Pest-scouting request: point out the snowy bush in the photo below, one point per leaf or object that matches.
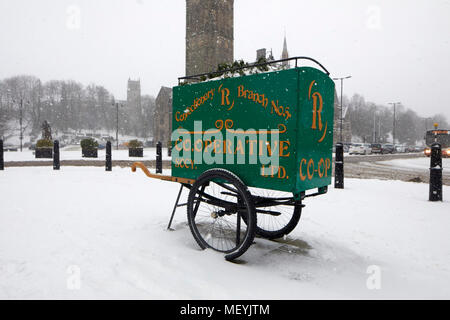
(133, 144)
(89, 143)
(238, 68)
(44, 143)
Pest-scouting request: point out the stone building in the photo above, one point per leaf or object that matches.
(162, 117)
(209, 35)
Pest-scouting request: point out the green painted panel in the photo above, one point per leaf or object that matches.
(315, 125)
(257, 126)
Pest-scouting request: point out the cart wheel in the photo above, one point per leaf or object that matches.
(217, 202)
(275, 220)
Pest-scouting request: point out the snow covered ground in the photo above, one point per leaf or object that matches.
(74, 153)
(82, 232)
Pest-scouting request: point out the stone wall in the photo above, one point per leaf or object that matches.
(162, 117)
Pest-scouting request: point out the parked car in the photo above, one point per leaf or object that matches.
(346, 146)
(360, 148)
(387, 148)
(376, 147)
(400, 148)
(149, 143)
(107, 138)
(410, 149)
(10, 147)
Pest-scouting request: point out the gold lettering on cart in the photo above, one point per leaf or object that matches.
(228, 123)
(198, 102)
(309, 168)
(317, 111)
(225, 97)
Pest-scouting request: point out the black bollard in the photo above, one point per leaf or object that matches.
(159, 157)
(435, 173)
(56, 155)
(2, 161)
(339, 167)
(169, 151)
(108, 164)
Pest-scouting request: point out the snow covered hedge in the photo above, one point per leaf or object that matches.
(238, 68)
(44, 143)
(134, 144)
(89, 143)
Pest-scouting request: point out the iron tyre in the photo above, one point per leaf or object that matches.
(217, 202)
(274, 227)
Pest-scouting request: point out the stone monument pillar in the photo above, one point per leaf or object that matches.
(209, 35)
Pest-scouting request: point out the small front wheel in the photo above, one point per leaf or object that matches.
(218, 204)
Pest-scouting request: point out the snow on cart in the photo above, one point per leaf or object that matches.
(249, 148)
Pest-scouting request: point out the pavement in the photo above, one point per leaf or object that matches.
(86, 163)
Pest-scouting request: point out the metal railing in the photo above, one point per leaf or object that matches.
(221, 72)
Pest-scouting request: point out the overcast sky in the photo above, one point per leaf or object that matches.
(395, 50)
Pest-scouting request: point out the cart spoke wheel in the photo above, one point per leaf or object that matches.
(217, 203)
(275, 220)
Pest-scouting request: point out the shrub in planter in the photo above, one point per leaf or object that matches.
(135, 148)
(44, 149)
(89, 148)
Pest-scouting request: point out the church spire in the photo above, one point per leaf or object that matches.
(285, 54)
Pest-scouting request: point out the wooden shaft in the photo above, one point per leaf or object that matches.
(159, 176)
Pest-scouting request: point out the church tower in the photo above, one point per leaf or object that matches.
(134, 94)
(209, 35)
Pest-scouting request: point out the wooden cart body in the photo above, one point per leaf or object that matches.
(242, 123)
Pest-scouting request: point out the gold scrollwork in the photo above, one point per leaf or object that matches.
(228, 124)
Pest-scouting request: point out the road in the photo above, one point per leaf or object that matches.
(374, 167)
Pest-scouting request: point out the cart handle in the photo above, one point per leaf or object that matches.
(159, 176)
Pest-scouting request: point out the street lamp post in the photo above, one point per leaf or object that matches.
(374, 138)
(116, 104)
(21, 121)
(379, 128)
(342, 89)
(426, 123)
(393, 132)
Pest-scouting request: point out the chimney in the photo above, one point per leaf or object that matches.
(260, 54)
